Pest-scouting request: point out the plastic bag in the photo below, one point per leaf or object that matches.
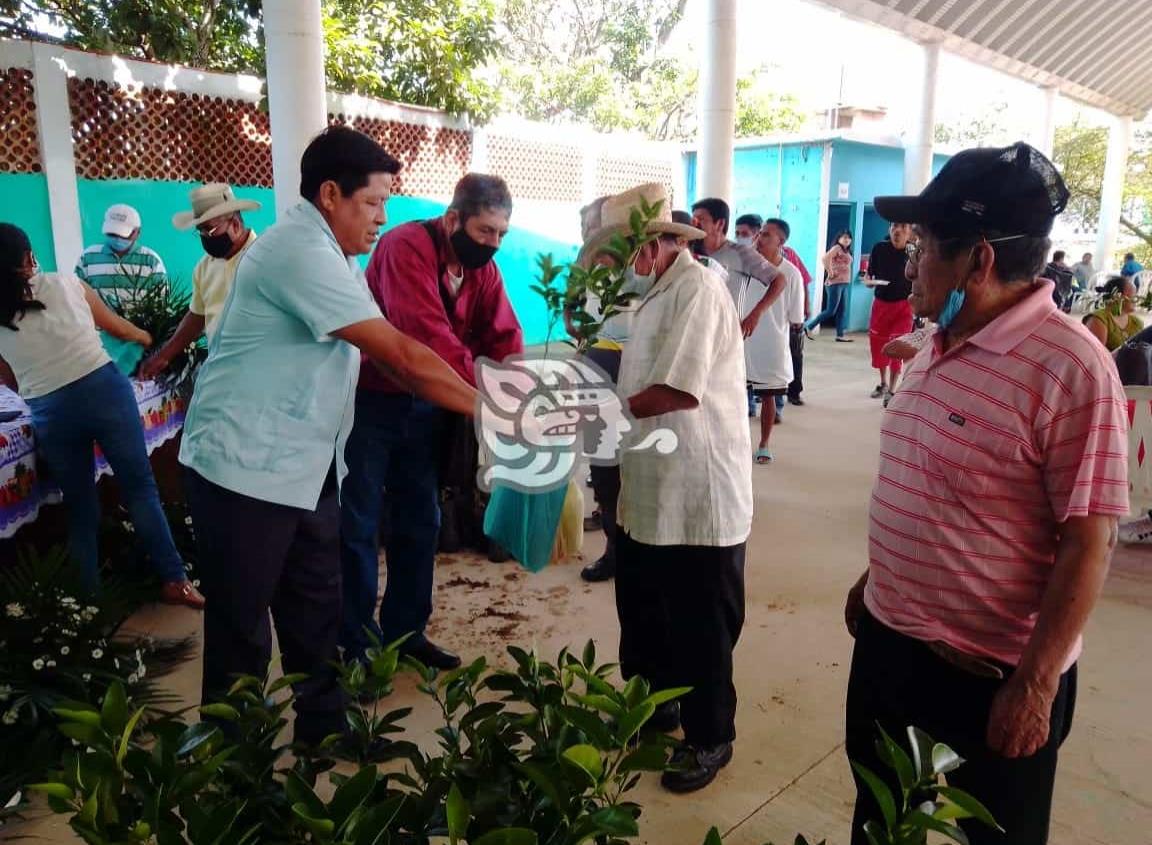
(525, 523)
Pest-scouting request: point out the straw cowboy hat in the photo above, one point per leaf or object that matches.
(210, 201)
(614, 213)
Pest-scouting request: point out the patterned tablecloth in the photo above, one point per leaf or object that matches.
(1140, 448)
(22, 492)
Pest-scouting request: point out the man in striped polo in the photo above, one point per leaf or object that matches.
(1003, 470)
(120, 266)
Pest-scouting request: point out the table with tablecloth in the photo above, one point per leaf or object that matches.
(23, 491)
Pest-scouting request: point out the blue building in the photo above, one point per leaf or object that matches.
(822, 185)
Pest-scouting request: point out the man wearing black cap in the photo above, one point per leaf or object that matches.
(1003, 471)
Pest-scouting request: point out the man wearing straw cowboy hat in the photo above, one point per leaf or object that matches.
(216, 215)
(684, 518)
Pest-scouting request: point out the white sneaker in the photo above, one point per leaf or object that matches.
(1136, 532)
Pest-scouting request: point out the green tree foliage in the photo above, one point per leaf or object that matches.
(1080, 153)
(422, 52)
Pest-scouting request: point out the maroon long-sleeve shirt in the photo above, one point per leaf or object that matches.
(407, 277)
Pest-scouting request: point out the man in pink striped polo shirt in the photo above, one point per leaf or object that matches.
(1003, 470)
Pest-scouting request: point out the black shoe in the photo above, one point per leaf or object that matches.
(795, 400)
(594, 522)
(602, 570)
(695, 768)
(497, 553)
(666, 719)
(430, 654)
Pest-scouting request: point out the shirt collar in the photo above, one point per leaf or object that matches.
(1018, 323)
(309, 214)
(674, 271)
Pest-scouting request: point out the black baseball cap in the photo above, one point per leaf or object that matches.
(1012, 190)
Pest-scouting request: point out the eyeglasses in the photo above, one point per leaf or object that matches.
(914, 249)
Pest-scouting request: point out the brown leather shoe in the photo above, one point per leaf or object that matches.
(182, 592)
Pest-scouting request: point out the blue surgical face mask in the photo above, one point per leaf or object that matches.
(638, 284)
(952, 308)
(118, 244)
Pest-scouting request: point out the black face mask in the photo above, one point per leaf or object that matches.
(471, 253)
(218, 246)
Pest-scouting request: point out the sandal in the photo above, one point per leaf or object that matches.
(763, 456)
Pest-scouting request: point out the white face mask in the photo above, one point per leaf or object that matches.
(745, 241)
(638, 284)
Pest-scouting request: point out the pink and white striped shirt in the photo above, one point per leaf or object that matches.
(986, 450)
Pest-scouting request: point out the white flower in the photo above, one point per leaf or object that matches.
(92, 610)
(15, 610)
(10, 717)
(87, 676)
(133, 678)
(50, 663)
(64, 650)
(196, 583)
(38, 664)
(97, 653)
(141, 670)
(188, 520)
(5, 691)
(68, 601)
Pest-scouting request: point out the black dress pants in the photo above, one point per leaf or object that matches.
(681, 609)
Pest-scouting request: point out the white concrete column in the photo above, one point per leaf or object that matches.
(1112, 192)
(920, 140)
(297, 103)
(1046, 140)
(54, 125)
(479, 161)
(717, 104)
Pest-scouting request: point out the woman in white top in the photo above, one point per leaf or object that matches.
(78, 398)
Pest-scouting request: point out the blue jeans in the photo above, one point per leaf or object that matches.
(835, 306)
(392, 458)
(101, 408)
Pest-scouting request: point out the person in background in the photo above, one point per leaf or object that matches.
(684, 518)
(1115, 323)
(1003, 469)
(748, 228)
(77, 397)
(120, 265)
(685, 219)
(891, 311)
(1083, 271)
(217, 216)
(767, 358)
(1060, 274)
(437, 282)
(263, 444)
(1131, 267)
(837, 263)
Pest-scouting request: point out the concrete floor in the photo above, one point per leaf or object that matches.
(808, 545)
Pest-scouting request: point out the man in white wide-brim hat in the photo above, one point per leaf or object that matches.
(217, 217)
(684, 518)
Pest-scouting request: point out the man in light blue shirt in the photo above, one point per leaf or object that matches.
(264, 439)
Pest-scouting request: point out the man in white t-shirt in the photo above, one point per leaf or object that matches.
(767, 355)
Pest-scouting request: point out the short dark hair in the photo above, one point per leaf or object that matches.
(753, 220)
(1128, 256)
(342, 155)
(1113, 287)
(717, 208)
(782, 225)
(1058, 255)
(682, 217)
(477, 192)
(1018, 259)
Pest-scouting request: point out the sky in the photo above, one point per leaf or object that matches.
(806, 45)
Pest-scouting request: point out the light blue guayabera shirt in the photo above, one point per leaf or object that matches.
(274, 401)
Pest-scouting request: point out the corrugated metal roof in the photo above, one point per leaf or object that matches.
(1095, 51)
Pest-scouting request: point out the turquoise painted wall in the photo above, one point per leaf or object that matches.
(158, 201)
(26, 205)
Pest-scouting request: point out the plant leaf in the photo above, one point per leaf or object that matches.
(880, 791)
(126, 738)
(922, 745)
(969, 804)
(616, 821)
(926, 822)
(664, 696)
(56, 790)
(195, 736)
(508, 836)
(458, 814)
(944, 759)
(713, 837)
(633, 720)
(587, 758)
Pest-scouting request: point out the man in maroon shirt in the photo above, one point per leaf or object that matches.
(435, 281)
